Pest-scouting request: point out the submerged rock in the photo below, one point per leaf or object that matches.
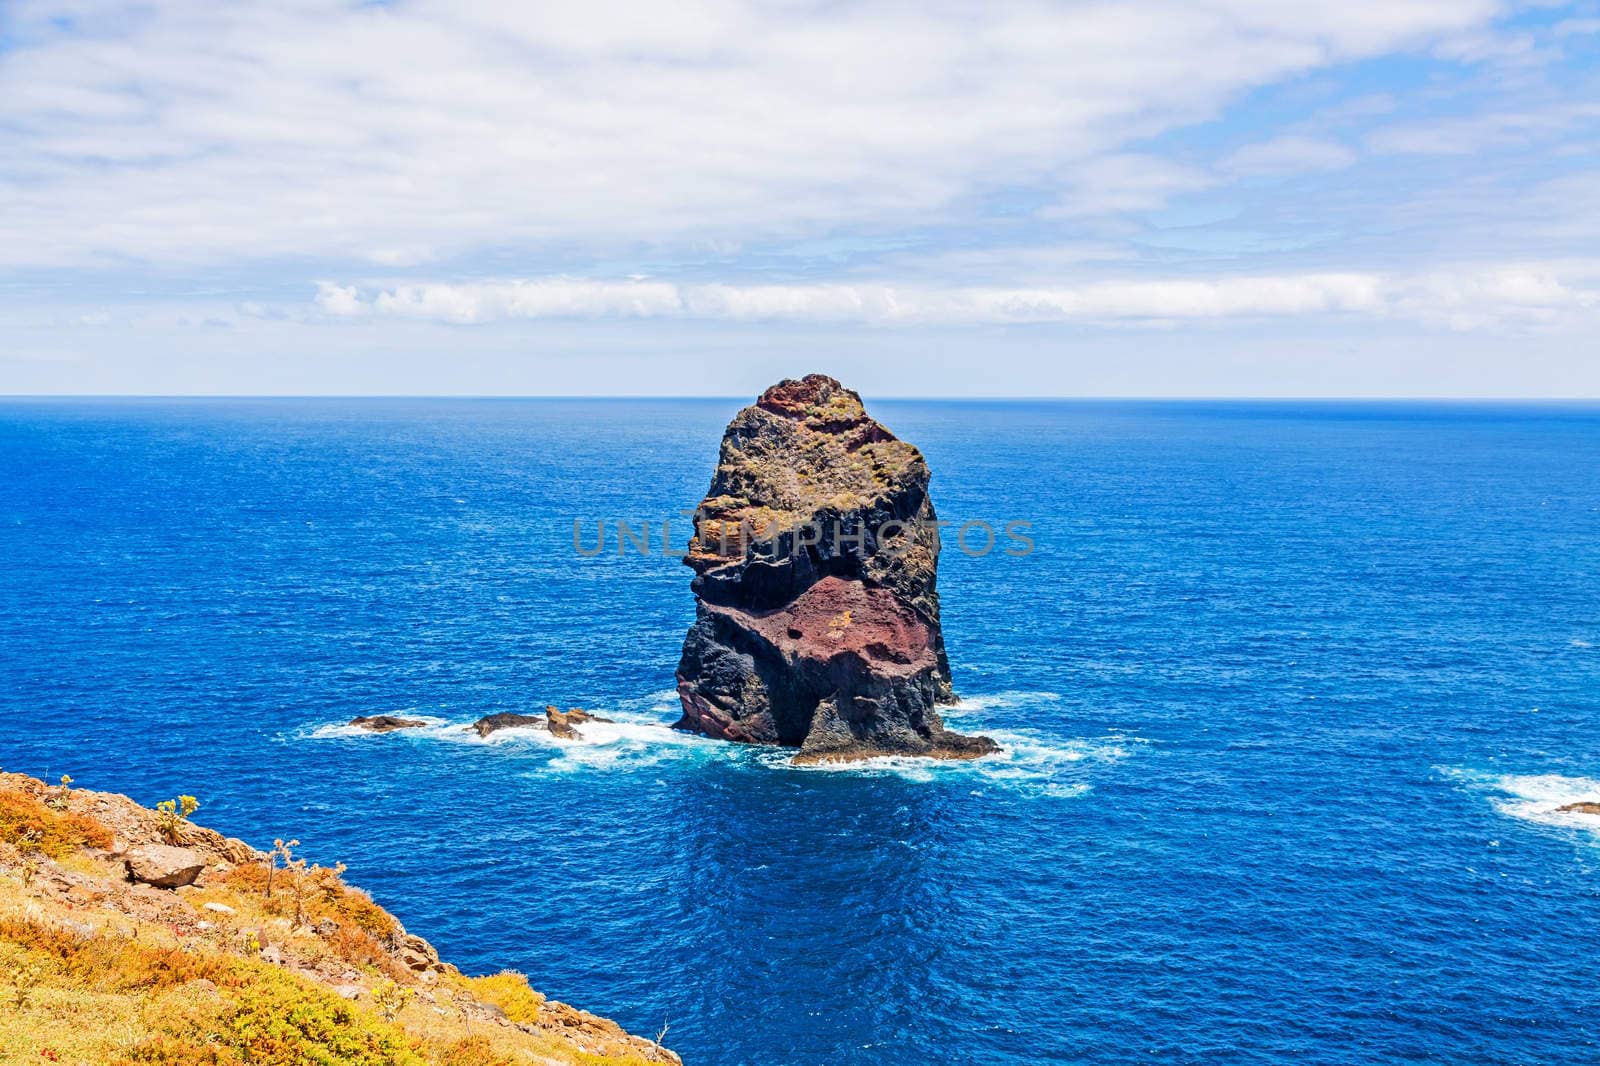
(817, 610)
(386, 723)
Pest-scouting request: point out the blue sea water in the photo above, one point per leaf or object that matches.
(1289, 694)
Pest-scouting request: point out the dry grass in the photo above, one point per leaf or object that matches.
(97, 972)
(29, 824)
(509, 991)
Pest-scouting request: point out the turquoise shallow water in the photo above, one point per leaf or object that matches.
(1289, 694)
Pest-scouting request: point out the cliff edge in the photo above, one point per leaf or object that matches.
(133, 936)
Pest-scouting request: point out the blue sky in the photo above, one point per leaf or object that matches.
(1213, 198)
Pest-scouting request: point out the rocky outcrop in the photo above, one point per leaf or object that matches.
(816, 556)
(92, 877)
(561, 723)
(1582, 807)
(493, 723)
(386, 723)
(558, 723)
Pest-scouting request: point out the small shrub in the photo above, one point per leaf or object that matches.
(509, 991)
(278, 1021)
(32, 826)
(332, 898)
(360, 950)
(25, 978)
(58, 796)
(318, 894)
(391, 998)
(172, 813)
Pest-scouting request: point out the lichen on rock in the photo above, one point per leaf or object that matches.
(816, 557)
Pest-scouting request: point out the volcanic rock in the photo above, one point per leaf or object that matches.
(506, 720)
(816, 555)
(386, 723)
(560, 724)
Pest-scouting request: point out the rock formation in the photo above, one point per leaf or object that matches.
(491, 723)
(559, 723)
(164, 866)
(386, 723)
(817, 614)
(1582, 807)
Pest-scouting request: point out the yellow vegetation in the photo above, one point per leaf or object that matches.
(97, 972)
(29, 825)
(509, 991)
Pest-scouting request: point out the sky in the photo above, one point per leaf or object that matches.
(446, 197)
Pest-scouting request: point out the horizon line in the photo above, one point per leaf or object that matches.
(944, 398)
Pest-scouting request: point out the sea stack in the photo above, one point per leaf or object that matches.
(816, 554)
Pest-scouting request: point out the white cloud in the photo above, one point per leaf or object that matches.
(1475, 134)
(1461, 299)
(187, 131)
(1289, 154)
(1123, 182)
(1576, 27)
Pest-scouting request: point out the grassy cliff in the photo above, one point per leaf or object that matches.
(257, 959)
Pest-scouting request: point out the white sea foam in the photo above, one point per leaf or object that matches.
(628, 744)
(345, 729)
(1536, 797)
(1026, 762)
(971, 705)
(639, 736)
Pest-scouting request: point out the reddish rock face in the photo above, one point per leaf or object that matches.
(816, 555)
(836, 618)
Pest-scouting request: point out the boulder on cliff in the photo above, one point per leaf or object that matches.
(163, 865)
(816, 556)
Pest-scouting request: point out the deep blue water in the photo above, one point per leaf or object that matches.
(1289, 693)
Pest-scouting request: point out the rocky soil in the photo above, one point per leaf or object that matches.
(95, 876)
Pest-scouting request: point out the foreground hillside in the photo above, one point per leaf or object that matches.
(132, 936)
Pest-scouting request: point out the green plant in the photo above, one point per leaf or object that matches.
(58, 796)
(279, 1021)
(24, 979)
(391, 998)
(171, 814)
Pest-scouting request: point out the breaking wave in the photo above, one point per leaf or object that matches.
(1536, 797)
(640, 736)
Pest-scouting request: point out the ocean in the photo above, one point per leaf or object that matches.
(1289, 694)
